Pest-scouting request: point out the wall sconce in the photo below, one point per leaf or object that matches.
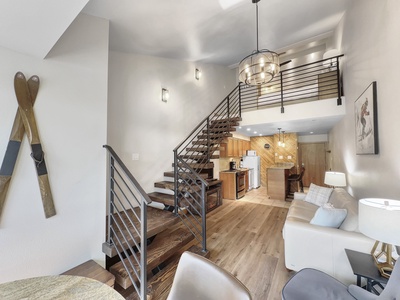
(197, 74)
(164, 95)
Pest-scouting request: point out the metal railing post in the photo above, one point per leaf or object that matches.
(240, 100)
(143, 251)
(176, 180)
(110, 199)
(208, 139)
(203, 217)
(339, 100)
(282, 108)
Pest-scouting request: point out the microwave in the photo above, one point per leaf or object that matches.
(251, 152)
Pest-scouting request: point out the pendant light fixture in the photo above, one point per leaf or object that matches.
(279, 136)
(283, 135)
(261, 66)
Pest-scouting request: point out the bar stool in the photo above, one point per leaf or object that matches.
(296, 178)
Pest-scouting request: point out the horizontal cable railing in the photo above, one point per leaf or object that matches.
(127, 222)
(310, 82)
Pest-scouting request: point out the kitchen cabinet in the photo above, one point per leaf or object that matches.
(228, 185)
(233, 147)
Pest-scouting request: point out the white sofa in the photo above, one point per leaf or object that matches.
(323, 248)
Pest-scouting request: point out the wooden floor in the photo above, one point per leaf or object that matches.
(245, 238)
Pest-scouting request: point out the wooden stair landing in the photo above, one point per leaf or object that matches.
(163, 247)
(157, 221)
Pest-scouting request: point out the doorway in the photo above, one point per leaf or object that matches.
(313, 157)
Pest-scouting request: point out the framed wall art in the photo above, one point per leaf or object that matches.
(366, 116)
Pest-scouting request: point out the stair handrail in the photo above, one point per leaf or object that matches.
(206, 118)
(115, 243)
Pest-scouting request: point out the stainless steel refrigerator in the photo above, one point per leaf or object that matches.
(253, 162)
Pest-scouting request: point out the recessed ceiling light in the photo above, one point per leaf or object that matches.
(240, 127)
(248, 129)
(311, 132)
(255, 132)
(260, 134)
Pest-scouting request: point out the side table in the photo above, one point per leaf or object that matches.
(363, 266)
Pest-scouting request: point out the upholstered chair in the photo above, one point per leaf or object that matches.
(197, 278)
(311, 284)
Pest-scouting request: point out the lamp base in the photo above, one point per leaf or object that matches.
(384, 267)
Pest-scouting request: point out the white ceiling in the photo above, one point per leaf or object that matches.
(213, 31)
(208, 31)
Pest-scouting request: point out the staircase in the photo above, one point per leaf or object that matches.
(140, 237)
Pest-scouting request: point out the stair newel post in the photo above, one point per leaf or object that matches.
(339, 99)
(143, 251)
(203, 217)
(176, 181)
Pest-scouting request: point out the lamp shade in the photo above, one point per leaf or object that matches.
(379, 219)
(335, 179)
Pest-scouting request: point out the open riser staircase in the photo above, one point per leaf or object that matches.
(140, 238)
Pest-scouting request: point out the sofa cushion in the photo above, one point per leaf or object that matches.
(301, 211)
(342, 199)
(318, 195)
(328, 216)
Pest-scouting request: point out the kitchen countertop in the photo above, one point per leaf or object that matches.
(284, 166)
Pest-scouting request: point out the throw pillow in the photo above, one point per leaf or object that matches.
(328, 216)
(318, 195)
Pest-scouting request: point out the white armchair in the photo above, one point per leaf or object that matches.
(198, 278)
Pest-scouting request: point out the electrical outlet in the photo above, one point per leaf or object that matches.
(135, 156)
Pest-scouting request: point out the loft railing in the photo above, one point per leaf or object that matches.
(193, 155)
(127, 222)
(310, 82)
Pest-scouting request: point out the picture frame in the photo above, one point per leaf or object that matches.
(366, 121)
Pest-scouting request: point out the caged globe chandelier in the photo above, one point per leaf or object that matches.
(261, 66)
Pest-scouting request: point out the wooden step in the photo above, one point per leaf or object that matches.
(199, 157)
(214, 136)
(160, 284)
(157, 221)
(162, 198)
(203, 149)
(209, 165)
(170, 186)
(93, 270)
(220, 130)
(163, 246)
(226, 120)
(171, 174)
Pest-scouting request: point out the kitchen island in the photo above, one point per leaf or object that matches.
(277, 182)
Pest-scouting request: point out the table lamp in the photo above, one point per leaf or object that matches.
(379, 219)
(335, 179)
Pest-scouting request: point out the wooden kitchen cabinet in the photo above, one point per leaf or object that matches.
(228, 185)
(232, 147)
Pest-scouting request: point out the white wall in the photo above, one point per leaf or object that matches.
(368, 37)
(139, 122)
(71, 113)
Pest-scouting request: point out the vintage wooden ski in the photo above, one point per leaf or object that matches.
(28, 119)
(14, 143)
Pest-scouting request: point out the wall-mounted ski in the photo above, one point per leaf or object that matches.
(26, 94)
(14, 143)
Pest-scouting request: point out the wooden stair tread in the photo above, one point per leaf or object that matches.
(181, 188)
(183, 175)
(209, 165)
(163, 246)
(214, 136)
(160, 284)
(93, 270)
(157, 221)
(162, 198)
(196, 157)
